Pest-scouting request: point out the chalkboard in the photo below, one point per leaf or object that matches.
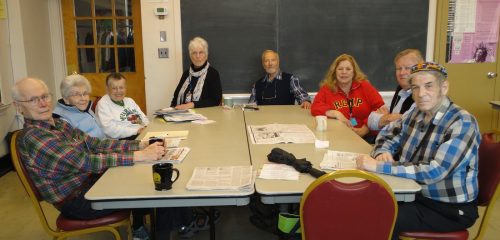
(308, 35)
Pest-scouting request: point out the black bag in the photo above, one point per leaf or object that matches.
(264, 216)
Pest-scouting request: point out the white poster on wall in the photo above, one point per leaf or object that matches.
(473, 31)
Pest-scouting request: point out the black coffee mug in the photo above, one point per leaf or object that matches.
(155, 139)
(162, 176)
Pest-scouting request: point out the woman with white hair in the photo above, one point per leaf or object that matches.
(200, 85)
(74, 106)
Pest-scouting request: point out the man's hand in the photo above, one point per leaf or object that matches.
(185, 106)
(388, 118)
(306, 105)
(384, 157)
(338, 115)
(154, 151)
(365, 162)
(362, 131)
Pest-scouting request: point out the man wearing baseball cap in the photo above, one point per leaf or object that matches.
(437, 145)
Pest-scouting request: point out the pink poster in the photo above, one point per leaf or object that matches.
(473, 31)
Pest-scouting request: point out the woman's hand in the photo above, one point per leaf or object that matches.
(362, 131)
(185, 106)
(338, 115)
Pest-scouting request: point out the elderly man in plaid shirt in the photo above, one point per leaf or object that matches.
(436, 144)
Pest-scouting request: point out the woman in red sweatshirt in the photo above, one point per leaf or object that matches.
(346, 95)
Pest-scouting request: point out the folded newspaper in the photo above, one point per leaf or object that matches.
(280, 133)
(222, 178)
(334, 160)
(173, 115)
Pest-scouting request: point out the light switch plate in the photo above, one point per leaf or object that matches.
(162, 52)
(163, 36)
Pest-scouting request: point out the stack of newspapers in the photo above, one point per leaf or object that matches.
(240, 178)
(173, 115)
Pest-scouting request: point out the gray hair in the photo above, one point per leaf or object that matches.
(269, 51)
(198, 42)
(439, 76)
(16, 91)
(74, 80)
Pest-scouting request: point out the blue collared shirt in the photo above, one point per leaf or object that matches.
(446, 164)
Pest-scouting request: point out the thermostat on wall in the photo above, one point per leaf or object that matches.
(161, 11)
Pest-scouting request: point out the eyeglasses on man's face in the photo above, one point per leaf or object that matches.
(36, 100)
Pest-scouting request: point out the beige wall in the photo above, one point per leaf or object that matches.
(37, 43)
(162, 75)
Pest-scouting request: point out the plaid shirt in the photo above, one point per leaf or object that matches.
(295, 88)
(60, 158)
(446, 163)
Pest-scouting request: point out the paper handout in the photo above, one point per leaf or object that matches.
(334, 160)
(167, 134)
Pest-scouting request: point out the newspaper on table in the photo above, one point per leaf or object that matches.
(169, 111)
(335, 160)
(278, 171)
(172, 115)
(280, 133)
(222, 178)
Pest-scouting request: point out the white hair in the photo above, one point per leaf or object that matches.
(74, 80)
(198, 42)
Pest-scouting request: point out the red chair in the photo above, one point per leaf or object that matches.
(66, 227)
(330, 209)
(489, 189)
(94, 103)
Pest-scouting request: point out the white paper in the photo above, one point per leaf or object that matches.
(321, 144)
(333, 160)
(203, 122)
(280, 133)
(278, 171)
(172, 155)
(222, 178)
(167, 134)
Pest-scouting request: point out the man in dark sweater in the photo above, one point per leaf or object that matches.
(277, 87)
(402, 100)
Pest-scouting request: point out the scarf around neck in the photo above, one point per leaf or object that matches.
(201, 75)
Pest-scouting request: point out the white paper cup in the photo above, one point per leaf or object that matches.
(321, 123)
(228, 101)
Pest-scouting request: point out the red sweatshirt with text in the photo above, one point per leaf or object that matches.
(365, 99)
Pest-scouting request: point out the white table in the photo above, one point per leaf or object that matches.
(223, 143)
(341, 139)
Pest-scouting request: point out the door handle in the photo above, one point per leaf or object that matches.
(491, 75)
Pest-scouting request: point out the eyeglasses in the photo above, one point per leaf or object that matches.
(77, 94)
(36, 100)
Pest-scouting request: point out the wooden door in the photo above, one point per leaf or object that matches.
(104, 36)
(470, 86)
